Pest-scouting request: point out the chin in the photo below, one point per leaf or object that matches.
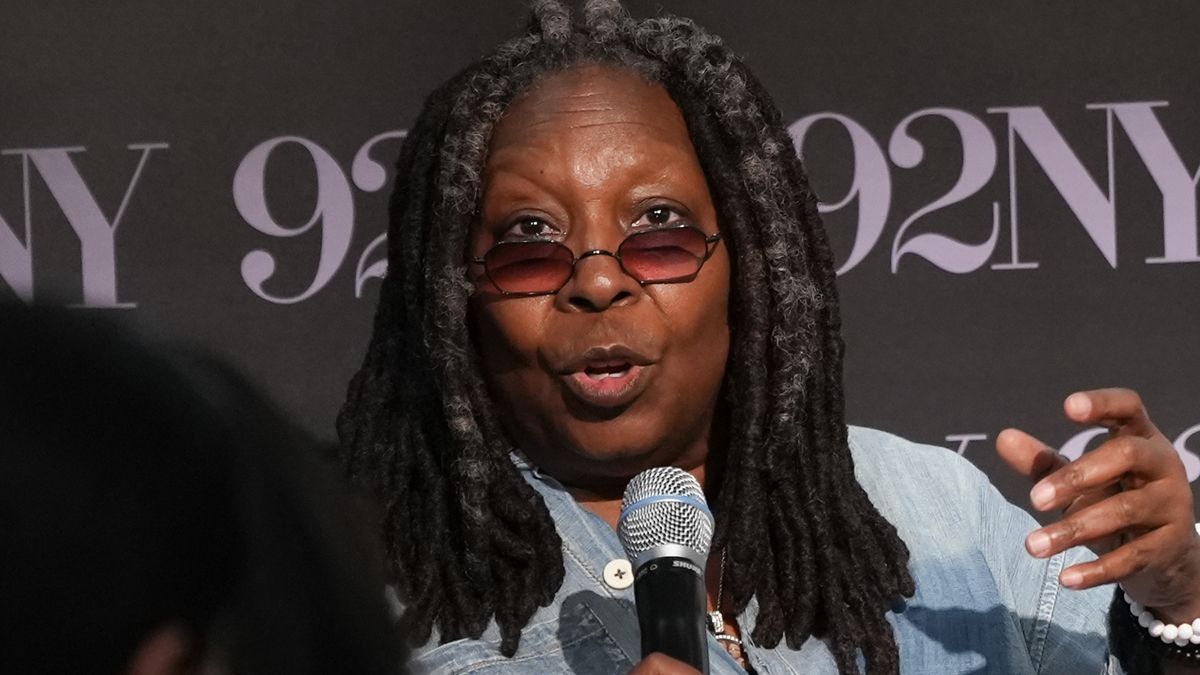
(612, 451)
(617, 456)
(622, 453)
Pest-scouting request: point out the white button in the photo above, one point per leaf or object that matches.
(618, 573)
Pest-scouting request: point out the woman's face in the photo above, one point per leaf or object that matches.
(606, 377)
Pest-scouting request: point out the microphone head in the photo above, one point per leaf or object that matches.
(663, 514)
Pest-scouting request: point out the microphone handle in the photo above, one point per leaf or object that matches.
(669, 593)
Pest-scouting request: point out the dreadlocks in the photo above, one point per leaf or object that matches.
(467, 539)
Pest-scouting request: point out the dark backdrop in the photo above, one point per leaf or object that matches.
(1011, 187)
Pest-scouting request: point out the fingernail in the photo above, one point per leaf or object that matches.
(1038, 543)
(1042, 495)
(1071, 578)
(1079, 405)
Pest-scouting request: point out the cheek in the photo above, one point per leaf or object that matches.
(507, 334)
(711, 350)
(508, 337)
(705, 310)
(699, 321)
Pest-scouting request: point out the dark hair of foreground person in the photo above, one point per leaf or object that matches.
(152, 503)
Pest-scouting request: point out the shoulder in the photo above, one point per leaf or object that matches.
(891, 466)
(926, 491)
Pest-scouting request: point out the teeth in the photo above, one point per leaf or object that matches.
(605, 376)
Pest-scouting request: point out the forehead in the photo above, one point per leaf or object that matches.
(591, 101)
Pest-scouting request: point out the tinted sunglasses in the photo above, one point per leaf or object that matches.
(663, 255)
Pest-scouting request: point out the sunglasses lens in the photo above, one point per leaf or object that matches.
(529, 267)
(664, 255)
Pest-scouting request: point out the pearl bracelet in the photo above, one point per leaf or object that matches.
(1174, 636)
(1181, 634)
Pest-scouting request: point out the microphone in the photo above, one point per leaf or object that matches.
(666, 529)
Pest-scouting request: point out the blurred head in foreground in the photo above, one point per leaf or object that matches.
(158, 516)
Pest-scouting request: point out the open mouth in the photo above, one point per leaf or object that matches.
(607, 385)
(607, 372)
(607, 377)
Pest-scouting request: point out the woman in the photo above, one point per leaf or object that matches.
(605, 257)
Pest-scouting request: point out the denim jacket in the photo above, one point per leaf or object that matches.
(982, 604)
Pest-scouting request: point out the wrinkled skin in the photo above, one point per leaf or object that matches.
(586, 156)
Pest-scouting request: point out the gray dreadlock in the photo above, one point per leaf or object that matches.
(467, 539)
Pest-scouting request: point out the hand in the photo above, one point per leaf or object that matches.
(661, 664)
(1128, 500)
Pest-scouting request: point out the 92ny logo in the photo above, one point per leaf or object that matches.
(1092, 203)
(866, 205)
(95, 231)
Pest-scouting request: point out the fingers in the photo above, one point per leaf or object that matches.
(1129, 500)
(1119, 410)
(1122, 563)
(1115, 459)
(1028, 455)
(1136, 510)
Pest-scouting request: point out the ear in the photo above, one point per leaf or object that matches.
(165, 652)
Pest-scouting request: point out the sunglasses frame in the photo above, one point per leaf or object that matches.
(710, 241)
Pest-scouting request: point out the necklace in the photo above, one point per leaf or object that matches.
(716, 625)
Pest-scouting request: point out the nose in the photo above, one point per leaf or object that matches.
(599, 283)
